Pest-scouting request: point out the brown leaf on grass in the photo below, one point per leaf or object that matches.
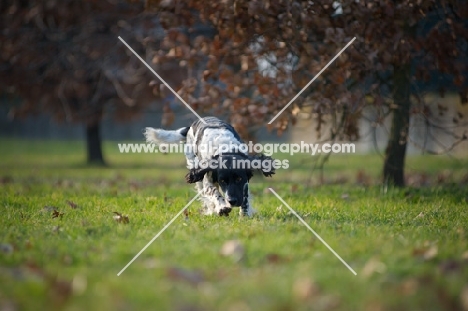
(178, 274)
(362, 178)
(408, 287)
(305, 289)
(420, 215)
(273, 258)
(426, 253)
(72, 204)
(33, 268)
(372, 266)
(294, 188)
(121, 218)
(431, 252)
(57, 214)
(59, 290)
(79, 284)
(450, 266)
(233, 249)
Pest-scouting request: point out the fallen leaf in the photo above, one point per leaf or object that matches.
(120, 218)
(274, 258)
(426, 253)
(56, 214)
(178, 274)
(152, 263)
(450, 266)
(409, 287)
(362, 178)
(234, 249)
(59, 290)
(372, 266)
(79, 284)
(431, 252)
(294, 188)
(305, 289)
(72, 204)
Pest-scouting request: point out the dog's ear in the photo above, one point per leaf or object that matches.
(195, 174)
(267, 167)
(249, 174)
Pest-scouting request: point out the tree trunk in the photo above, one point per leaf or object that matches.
(393, 171)
(93, 144)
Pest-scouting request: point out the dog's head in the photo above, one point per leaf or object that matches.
(232, 172)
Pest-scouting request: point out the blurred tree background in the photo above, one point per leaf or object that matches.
(243, 61)
(64, 58)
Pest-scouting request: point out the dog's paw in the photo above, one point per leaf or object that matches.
(245, 201)
(224, 211)
(192, 177)
(267, 172)
(189, 178)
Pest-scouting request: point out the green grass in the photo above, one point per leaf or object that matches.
(408, 247)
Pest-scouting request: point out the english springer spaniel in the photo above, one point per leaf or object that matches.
(217, 163)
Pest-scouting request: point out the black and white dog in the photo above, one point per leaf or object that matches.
(217, 163)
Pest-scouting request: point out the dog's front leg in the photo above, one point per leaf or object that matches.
(211, 192)
(245, 209)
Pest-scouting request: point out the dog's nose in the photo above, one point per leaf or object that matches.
(233, 202)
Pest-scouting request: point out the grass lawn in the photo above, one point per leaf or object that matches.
(61, 246)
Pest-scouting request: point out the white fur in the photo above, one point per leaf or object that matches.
(213, 200)
(160, 136)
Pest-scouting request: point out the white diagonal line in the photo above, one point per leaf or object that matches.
(159, 233)
(312, 230)
(313, 79)
(162, 80)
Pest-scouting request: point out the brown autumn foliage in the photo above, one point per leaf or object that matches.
(259, 54)
(64, 58)
(241, 60)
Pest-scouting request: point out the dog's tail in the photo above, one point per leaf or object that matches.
(160, 136)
